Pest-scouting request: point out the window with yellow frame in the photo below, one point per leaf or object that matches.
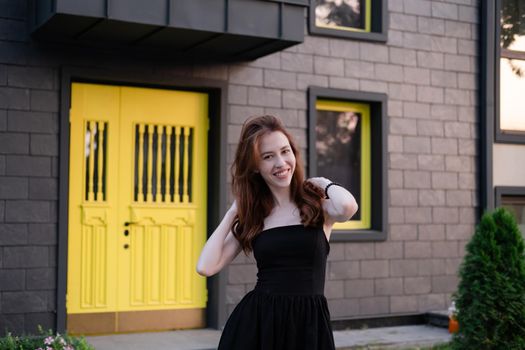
(353, 19)
(343, 152)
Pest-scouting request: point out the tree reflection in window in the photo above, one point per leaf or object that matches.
(512, 32)
(338, 149)
(339, 13)
(512, 21)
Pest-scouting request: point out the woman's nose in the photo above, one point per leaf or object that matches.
(279, 161)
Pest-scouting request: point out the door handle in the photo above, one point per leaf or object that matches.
(129, 223)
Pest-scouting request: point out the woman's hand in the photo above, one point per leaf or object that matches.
(320, 182)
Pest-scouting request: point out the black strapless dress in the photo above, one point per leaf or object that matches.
(287, 309)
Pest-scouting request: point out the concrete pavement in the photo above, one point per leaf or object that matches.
(207, 339)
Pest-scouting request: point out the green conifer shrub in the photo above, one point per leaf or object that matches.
(491, 294)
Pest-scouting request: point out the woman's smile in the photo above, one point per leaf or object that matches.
(282, 174)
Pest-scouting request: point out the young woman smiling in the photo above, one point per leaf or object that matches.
(286, 222)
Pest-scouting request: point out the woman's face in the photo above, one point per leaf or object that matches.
(277, 160)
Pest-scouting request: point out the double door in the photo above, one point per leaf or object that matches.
(137, 209)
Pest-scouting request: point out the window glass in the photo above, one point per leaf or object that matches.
(338, 151)
(518, 44)
(516, 205)
(343, 152)
(512, 66)
(512, 35)
(343, 14)
(512, 94)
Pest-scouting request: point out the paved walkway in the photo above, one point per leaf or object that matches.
(207, 339)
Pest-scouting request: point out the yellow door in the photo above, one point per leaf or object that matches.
(137, 209)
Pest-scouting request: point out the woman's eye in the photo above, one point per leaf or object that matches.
(267, 157)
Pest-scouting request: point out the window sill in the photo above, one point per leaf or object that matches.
(357, 235)
(357, 35)
(508, 137)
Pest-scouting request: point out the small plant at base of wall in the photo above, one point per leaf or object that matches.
(44, 341)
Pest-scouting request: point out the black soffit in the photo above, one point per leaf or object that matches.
(205, 29)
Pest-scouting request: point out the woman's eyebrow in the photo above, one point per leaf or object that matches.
(282, 148)
(267, 152)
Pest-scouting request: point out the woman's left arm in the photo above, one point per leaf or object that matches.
(340, 205)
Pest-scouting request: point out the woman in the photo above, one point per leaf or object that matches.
(286, 222)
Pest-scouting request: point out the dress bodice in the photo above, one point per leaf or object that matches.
(291, 260)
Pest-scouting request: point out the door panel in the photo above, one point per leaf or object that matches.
(92, 199)
(165, 198)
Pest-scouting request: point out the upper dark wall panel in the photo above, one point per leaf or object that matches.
(189, 14)
(139, 11)
(94, 8)
(228, 29)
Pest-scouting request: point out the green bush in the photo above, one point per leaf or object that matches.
(491, 294)
(44, 341)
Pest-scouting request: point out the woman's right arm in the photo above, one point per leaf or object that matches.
(221, 248)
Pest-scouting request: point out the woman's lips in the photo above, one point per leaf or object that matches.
(282, 173)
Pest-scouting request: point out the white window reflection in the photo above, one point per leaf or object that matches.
(518, 44)
(512, 94)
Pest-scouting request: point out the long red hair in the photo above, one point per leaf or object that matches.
(254, 198)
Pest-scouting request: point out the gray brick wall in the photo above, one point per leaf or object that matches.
(427, 68)
(28, 189)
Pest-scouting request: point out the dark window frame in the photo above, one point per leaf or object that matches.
(379, 153)
(500, 191)
(378, 18)
(508, 191)
(499, 135)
